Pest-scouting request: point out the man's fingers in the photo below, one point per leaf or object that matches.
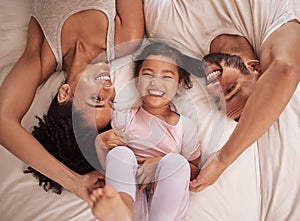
(197, 188)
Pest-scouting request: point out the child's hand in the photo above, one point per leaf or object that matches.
(146, 173)
(111, 138)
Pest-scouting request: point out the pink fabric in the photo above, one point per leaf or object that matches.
(150, 136)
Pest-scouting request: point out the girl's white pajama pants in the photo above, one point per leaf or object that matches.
(169, 201)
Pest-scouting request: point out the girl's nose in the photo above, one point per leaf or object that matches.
(156, 80)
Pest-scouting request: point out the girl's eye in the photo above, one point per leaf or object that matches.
(147, 74)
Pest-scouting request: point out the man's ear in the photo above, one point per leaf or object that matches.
(254, 66)
(64, 94)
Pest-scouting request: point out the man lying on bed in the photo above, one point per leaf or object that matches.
(230, 81)
(267, 29)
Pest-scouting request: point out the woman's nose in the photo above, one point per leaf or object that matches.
(108, 90)
(107, 84)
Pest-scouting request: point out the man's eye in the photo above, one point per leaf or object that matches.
(230, 89)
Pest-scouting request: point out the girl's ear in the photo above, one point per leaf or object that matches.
(180, 87)
(64, 94)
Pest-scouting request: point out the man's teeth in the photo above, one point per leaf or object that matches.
(211, 76)
(156, 92)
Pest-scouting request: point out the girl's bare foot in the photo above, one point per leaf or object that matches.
(109, 205)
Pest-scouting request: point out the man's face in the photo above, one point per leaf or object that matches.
(229, 87)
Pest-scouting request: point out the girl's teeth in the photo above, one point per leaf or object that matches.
(155, 92)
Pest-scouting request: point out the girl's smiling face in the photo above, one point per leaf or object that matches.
(157, 81)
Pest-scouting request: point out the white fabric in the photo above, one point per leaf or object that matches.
(198, 22)
(234, 197)
(51, 15)
(279, 159)
(165, 203)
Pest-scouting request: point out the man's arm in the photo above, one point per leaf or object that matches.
(280, 56)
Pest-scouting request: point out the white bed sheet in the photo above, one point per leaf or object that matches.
(234, 197)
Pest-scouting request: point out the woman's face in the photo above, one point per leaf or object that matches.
(157, 81)
(94, 95)
(230, 85)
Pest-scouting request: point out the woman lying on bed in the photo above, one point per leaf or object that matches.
(67, 131)
(85, 31)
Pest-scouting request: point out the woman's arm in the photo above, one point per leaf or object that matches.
(129, 25)
(16, 95)
(281, 74)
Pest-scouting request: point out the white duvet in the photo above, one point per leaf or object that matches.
(262, 184)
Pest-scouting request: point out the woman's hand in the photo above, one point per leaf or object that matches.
(209, 173)
(146, 172)
(87, 183)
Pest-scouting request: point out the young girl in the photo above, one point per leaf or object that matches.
(162, 152)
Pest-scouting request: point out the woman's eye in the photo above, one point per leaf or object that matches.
(96, 98)
(112, 104)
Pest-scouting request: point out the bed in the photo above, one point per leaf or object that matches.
(236, 196)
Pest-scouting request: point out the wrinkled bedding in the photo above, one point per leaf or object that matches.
(236, 196)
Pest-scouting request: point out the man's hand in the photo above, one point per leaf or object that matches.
(209, 173)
